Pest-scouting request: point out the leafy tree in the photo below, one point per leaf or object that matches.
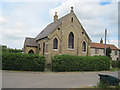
(4, 48)
(108, 52)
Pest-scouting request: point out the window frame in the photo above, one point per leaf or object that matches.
(55, 43)
(71, 41)
(115, 52)
(84, 48)
(96, 51)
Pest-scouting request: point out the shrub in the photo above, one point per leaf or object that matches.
(116, 64)
(22, 62)
(80, 63)
(107, 86)
(102, 85)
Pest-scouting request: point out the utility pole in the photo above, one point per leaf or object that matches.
(105, 41)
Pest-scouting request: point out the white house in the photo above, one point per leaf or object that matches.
(98, 49)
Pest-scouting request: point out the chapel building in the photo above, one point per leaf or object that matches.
(64, 35)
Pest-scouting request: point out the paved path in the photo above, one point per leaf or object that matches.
(12, 79)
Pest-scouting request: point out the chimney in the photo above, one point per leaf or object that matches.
(55, 17)
(71, 9)
(101, 41)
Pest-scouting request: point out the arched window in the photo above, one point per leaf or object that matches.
(84, 47)
(31, 52)
(55, 43)
(71, 41)
(72, 19)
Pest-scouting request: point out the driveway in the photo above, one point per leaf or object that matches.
(16, 79)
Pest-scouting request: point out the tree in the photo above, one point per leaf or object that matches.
(4, 48)
(108, 52)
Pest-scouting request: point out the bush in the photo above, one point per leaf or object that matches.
(106, 86)
(102, 85)
(22, 62)
(80, 63)
(116, 64)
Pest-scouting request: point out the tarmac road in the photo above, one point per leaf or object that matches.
(15, 79)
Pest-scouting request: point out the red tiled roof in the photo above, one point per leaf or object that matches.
(99, 45)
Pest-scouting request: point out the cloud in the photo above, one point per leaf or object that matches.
(0, 34)
(25, 20)
(3, 20)
(115, 42)
(32, 0)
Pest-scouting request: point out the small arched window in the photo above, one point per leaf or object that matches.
(72, 19)
(84, 47)
(55, 43)
(71, 41)
(31, 52)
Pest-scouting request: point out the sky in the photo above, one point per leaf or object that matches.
(27, 18)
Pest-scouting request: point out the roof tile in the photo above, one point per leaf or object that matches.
(102, 46)
(30, 42)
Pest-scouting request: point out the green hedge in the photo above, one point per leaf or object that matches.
(22, 62)
(116, 64)
(62, 63)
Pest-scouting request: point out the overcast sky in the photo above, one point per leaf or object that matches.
(27, 18)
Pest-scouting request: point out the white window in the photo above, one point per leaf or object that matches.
(96, 51)
(115, 52)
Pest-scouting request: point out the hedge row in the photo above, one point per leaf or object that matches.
(22, 62)
(116, 64)
(62, 63)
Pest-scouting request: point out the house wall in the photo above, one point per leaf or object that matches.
(114, 57)
(75, 27)
(101, 52)
(27, 49)
(47, 53)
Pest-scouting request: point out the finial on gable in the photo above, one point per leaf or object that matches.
(55, 13)
(55, 17)
(72, 9)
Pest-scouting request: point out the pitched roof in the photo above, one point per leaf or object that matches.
(102, 46)
(30, 42)
(50, 28)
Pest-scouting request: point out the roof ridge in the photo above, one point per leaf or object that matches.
(30, 37)
(102, 43)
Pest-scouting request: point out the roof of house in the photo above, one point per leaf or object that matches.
(30, 42)
(50, 28)
(102, 46)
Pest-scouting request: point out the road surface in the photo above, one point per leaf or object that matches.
(16, 79)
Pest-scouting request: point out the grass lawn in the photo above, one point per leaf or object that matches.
(114, 69)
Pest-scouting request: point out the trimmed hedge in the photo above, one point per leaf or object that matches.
(61, 63)
(116, 64)
(22, 62)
